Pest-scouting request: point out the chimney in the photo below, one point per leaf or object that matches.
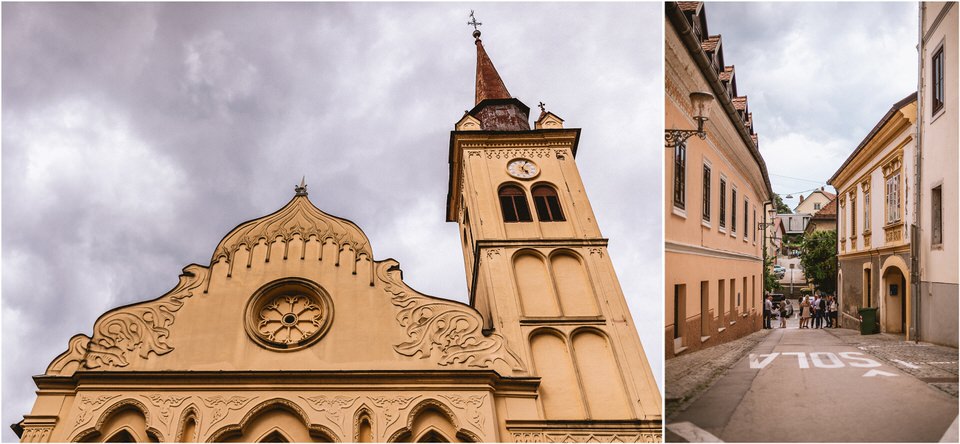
(801, 198)
(821, 188)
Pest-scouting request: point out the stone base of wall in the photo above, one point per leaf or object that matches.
(693, 340)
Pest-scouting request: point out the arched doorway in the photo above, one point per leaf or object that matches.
(895, 294)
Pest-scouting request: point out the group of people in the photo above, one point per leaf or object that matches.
(821, 309)
(818, 310)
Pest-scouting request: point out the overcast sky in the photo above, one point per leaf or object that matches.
(136, 135)
(819, 76)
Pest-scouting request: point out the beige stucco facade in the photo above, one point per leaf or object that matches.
(295, 332)
(938, 264)
(814, 202)
(713, 243)
(874, 217)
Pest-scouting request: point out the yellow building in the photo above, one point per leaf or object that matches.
(716, 192)
(295, 332)
(874, 222)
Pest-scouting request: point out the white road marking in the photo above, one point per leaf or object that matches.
(766, 360)
(835, 362)
(692, 433)
(801, 358)
(951, 434)
(875, 372)
(905, 363)
(865, 362)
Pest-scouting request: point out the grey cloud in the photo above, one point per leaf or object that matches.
(819, 76)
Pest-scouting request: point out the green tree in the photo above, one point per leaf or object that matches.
(770, 281)
(781, 207)
(818, 256)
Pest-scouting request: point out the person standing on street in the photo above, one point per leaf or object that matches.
(835, 323)
(767, 311)
(783, 313)
(804, 313)
(821, 311)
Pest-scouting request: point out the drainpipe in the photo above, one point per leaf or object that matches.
(915, 304)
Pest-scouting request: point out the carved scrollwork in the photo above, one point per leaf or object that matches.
(585, 437)
(472, 406)
(70, 360)
(332, 408)
(165, 403)
(392, 406)
(518, 152)
(298, 218)
(445, 327)
(140, 329)
(88, 405)
(222, 406)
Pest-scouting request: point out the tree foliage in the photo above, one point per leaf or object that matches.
(770, 281)
(818, 256)
(781, 207)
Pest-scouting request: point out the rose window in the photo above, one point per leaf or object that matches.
(288, 314)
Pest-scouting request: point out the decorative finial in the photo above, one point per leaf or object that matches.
(543, 108)
(473, 22)
(302, 188)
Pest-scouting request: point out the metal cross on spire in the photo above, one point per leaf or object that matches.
(473, 22)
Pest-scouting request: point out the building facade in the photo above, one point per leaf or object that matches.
(825, 219)
(295, 332)
(874, 217)
(936, 188)
(814, 202)
(716, 193)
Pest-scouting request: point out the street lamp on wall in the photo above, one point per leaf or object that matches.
(701, 103)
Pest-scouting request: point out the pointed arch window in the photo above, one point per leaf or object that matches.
(547, 203)
(513, 203)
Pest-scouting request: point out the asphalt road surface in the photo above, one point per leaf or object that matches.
(805, 385)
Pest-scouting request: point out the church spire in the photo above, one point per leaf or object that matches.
(494, 107)
(489, 83)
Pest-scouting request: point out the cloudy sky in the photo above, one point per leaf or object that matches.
(136, 135)
(819, 76)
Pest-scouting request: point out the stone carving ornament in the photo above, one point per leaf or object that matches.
(130, 332)
(288, 314)
(222, 406)
(447, 328)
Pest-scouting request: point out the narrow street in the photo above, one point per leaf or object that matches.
(819, 386)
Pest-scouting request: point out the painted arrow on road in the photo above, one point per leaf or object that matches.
(875, 372)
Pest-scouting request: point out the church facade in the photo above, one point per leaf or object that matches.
(295, 332)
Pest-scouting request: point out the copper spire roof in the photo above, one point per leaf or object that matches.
(489, 84)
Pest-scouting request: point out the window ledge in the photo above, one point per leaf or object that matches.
(938, 113)
(721, 329)
(680, 212)
(722, 229)
(705, 224)
(704, 339)
(733, 322)
(680, 350)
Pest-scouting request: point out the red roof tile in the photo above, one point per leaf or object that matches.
(740, 103)
(689, 6)
(711, 43)
(727, 74)
(829, 211)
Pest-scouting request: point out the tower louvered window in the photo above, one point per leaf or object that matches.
(513, 203)
(547, 203)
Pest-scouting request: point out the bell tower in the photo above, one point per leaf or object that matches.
(537, 265)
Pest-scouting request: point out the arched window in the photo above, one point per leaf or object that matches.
(513, 202)
(547, 203)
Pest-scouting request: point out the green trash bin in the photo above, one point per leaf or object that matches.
(868, 321)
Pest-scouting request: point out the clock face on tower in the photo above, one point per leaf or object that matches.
(523, 169)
